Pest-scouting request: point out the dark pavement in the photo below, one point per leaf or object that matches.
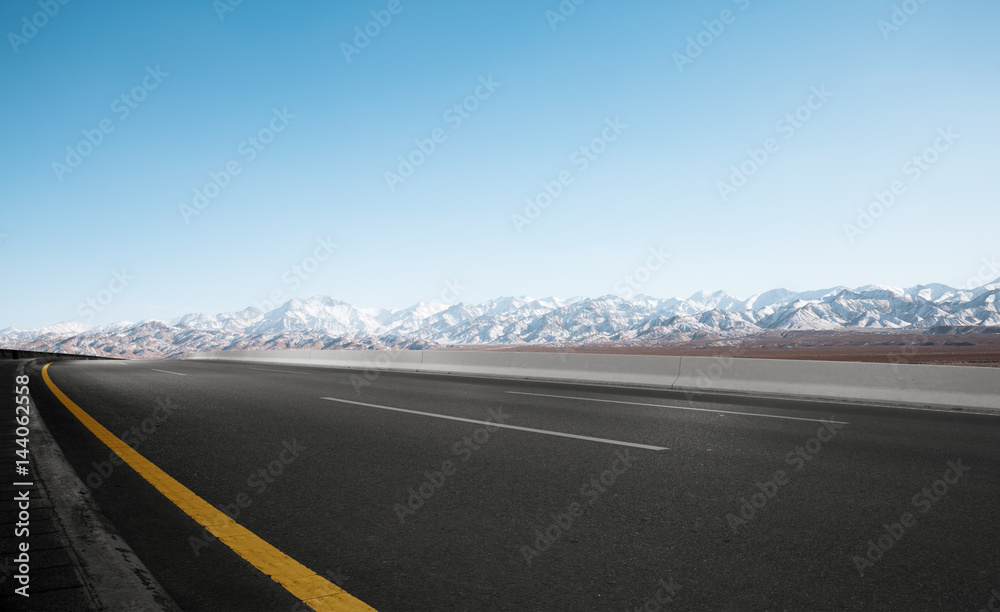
(772, 509)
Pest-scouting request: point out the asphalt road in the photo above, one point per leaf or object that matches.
(591, 498)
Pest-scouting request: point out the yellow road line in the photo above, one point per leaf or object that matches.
(314, 590)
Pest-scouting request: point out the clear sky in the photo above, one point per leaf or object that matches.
(292, 122)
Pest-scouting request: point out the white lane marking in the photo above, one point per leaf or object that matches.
(285, 371)
(167, 372)
(492, 424)
(754, 414)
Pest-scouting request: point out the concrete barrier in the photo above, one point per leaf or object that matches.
(874, 382)
(920, 385)
(363, 360)
(289, 357)
(619, 369)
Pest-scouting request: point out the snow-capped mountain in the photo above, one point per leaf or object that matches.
(324, 323)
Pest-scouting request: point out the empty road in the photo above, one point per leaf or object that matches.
(429, 492)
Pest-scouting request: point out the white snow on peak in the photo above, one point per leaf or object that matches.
(66, 328)
(326, 322)
(880, 289)
(933, 292)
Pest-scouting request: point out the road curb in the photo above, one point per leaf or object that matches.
(113, 574)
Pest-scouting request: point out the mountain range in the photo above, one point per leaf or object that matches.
(323, 322)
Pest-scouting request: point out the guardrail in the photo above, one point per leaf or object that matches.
(898, 384)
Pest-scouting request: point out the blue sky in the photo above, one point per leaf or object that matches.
(331, 112)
